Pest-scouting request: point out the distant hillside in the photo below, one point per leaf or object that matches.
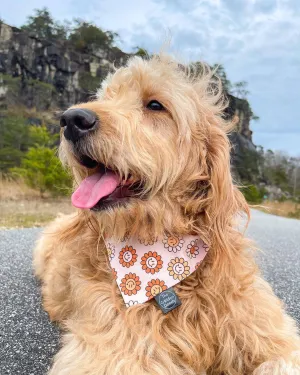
(48, 75)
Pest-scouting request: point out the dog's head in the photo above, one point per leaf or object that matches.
(152, 148)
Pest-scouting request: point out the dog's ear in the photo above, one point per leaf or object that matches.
(225, 201)
(222, 200)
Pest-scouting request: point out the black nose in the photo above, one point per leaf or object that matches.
(78, 122)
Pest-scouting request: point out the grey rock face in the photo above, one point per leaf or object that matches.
(25, 57)
(47, 76)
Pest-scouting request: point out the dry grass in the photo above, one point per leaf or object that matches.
(21, 206)
(12, 189)
(32, 212)
(286, 208)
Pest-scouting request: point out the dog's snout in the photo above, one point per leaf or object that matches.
(78, 122)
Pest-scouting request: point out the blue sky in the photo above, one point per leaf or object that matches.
(256, 40)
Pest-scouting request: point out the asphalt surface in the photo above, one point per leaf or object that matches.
(28, 341)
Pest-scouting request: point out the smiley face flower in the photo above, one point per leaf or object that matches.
(178, 268)
(154, 287)
(173, 243)
(151, 262)
(127, 256)
(130, 284)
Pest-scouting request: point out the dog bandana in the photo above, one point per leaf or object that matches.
(144, 269)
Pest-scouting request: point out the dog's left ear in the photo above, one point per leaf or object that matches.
(225, 201)
(220, 200)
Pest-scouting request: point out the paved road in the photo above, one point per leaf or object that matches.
(28, 340)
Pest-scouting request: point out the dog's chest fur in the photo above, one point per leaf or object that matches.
(141, 334)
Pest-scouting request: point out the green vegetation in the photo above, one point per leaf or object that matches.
(29, 152)
(268, 174)
(27, 148)
(14, 140)
(84, 37)
(88, 83)
(280, 170)
(141, 52)
(248, 166)
(42, 25)
(253, 194)
(42, 92)
(42, 170)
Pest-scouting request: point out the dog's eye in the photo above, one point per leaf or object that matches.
(154, 105)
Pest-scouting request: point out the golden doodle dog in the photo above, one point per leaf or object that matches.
(151, 160)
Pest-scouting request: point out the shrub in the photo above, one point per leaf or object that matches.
(253, 194)
(41, 169)
(14, 141)
(39, 136)
(9, 157)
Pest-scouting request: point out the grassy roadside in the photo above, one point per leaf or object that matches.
(27, 213)
(286, 209)
(22, 207)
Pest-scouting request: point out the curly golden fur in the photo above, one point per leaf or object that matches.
(230, 322)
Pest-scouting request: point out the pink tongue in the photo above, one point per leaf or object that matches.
(93, 188)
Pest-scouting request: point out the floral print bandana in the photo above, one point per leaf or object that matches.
(143, 269)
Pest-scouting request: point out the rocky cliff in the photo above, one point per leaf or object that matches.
(45, 75)
(42, 75)
(245, 158)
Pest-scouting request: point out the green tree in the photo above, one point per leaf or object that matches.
(43, 26)
(253, 194)
(9, 157)
(139, 51)
(17, 136)
(87, 37)
(14, 140)
(41, 169)
(275, 169)
(247, 165)
(38, 163)
(39, 136)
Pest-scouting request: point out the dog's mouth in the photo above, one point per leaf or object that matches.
(104, 188)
